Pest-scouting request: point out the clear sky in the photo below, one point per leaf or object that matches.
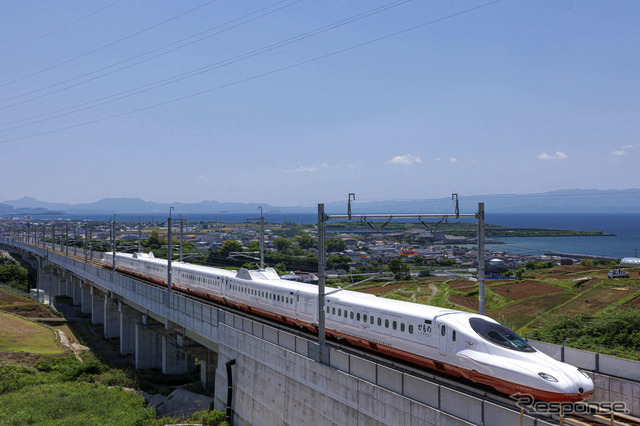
(512, 97)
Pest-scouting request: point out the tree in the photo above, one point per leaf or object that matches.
(153, 242)
(335, 244)
(282, 244)
(399, 269)
(253, 246)
(231, 246)
(337, 261)
(305, 241)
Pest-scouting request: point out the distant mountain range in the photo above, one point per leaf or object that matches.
(562, 201)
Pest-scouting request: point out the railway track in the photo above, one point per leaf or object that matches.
(596, 417)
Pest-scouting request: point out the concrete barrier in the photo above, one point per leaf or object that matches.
(390, 379)
(363, 369)
(461, 405)
(580, 358)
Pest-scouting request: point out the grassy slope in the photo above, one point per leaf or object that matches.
(19, 335)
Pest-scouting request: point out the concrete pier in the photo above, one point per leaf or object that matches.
(148, 350)
(97, 306)
(111, 318)
(128, 318)
(85, 298)
(77, 291)
(175, 361)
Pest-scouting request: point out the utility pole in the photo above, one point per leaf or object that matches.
(323, 355)
(66, 230)
(113, 243)
(75, 238)
(86, 239)
(169, 257)
(480, 217)
(261, 218)
(139, 236)
(323, 218)
(181, 234)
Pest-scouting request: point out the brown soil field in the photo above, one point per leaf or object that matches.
(465, 301)
(518, 291)
(519, 314)
(595, 300)
(460, 284)
(382, 290)
(23, 306)
(571, 269)
(21, 358)
(633, 303)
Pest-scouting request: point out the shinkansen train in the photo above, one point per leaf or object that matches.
(460, 344)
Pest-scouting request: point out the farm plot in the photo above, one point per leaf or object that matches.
(596, 299)
(525, 289)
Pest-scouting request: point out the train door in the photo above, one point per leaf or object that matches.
(443, 331)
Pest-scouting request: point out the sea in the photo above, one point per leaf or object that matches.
(624, 227)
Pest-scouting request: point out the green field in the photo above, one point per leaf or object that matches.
(19, 335)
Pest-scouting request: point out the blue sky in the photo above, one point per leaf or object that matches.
(512, 97)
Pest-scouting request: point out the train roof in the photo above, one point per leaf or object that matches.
(270, 277)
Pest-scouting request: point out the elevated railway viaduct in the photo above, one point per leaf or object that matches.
(275, 378)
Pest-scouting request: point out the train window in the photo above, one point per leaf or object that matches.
(351, 314)
(395, 325)
(364, 318)
(358, 316)
(327, 309)
(453, 335)
(499, 335)
(386, 323)
(371, 319)
(333, 311)
(339, 312)
(410, 328)
(402, 327)
(345, 313)
(379, 321)
(278, 298)
(443, 330)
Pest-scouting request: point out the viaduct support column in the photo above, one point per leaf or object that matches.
(208, 364)
(85, 297)
(67, 282)
(77, 291)
(148, 352)
(97, 306)
(174, 361)
(128, 318)
(111, 318)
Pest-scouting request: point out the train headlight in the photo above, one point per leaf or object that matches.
(548, 377)
(584, 374)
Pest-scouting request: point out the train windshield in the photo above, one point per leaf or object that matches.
(500, 335)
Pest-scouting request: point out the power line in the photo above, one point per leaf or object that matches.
(257, 76)
(108, 44)
(59, 28)
(141, 55)
(201, 70)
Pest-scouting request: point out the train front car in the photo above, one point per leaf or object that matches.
(500, 358)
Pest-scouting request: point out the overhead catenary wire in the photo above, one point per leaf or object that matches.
(142, 55)
(104, 46)
(201, 70)
(257, 76)
(65, 26)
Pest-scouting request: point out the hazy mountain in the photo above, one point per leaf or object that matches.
(562, 201)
